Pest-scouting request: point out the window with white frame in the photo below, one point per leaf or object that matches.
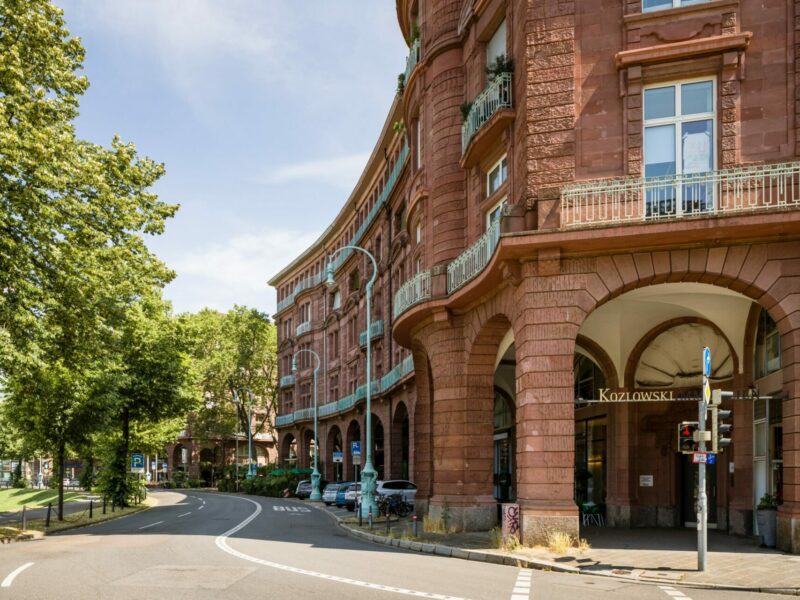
(648, 5)
(497, 45)
(418, 232)
(419, 142)
(497, 176)
(679, 142)
(494, 213)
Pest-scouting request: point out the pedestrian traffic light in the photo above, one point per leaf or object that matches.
(686, 443)
(719, 429)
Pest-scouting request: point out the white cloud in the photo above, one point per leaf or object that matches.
(341, 171)
(235, 271)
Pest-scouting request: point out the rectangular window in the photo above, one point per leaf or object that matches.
(494, 213)
(497, 45)
(418, 231)
(419, 143)
(648, 5)
(679, 142)
(496, 176)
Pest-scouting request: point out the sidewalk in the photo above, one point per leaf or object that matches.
(651, 555)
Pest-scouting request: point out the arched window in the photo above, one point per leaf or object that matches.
(589, 378)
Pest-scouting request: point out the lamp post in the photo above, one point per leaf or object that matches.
(315, 496)
(368, 475)
(237, 401)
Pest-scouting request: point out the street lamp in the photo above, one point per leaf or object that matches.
(237, 401)
(316, 496)
(368, 475)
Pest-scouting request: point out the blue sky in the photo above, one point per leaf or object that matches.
(264, 112)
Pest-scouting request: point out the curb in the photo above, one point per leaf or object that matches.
(84, 525)
(542, 565)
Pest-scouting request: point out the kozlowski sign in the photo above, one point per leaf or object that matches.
(606, 395)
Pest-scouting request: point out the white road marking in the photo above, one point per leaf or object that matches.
(222, 544)
(152, 525)
(184, 514)
(522, 587)
(10, 578)
(201, 508)
(671, 591)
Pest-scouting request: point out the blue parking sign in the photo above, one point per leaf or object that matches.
(137, 462)
(355, 448)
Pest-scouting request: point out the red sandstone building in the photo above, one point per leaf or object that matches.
(568, 200)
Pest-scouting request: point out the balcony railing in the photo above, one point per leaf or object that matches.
(397, 373)
(415, 290)
(286, 302)
(303, 328)
(497, 95)
(361, 391)
(375, 330)
(331, 408)
(473, 260)
(391, 181)
(287, 380)
(283, 420)
(304, 414)
(414, 54)
(308, 282)
(726, 191)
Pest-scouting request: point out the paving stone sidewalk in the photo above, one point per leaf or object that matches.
(665, 555)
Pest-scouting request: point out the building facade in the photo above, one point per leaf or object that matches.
(593, 193)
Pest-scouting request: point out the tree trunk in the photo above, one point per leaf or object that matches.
(125, 451)
(61, 457)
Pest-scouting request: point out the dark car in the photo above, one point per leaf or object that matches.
(303, 489)
(341, 492)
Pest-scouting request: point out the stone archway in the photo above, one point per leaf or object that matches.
(400, 442)
(288, 451)
(353, 435)
(379, 446)
(334, 470)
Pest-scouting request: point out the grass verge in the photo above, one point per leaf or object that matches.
(14, 498)
(81, 519)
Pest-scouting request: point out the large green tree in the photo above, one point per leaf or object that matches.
(73, 216)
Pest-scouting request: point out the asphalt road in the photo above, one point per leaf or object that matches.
(205, 545)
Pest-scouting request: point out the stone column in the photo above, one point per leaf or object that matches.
(789, 511)
(545, 334)
(620, 471)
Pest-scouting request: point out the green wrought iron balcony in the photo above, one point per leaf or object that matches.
(397, 373)
(303, 328)
(497, 95)
(415, 290)
(414, 54)
(375, 330)
(283, 420)
(735, 190)
(474, 259)
(287, 380)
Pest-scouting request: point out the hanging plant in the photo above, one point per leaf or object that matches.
(502, 64)
(414, 32)
(465, 108)
(401, 83)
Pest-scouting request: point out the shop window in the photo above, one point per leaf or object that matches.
(590, 463)
(768, 346)
(589, 378)
(497, 176)
(679, 133)
(648, 5)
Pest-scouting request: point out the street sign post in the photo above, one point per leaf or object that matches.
(137, 462)
(355, 451)
(702, 514)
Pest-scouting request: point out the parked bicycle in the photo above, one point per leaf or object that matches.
(394, 504)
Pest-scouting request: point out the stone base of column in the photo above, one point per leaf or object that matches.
(618, 515)
(789, 530)
(539, 519)
(466, 513)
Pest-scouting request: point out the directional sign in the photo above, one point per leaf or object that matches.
(137, 462)
(706, 390)
(711, 458)
(338, 457)
(707, 361)
(165, 466)
(700, 458)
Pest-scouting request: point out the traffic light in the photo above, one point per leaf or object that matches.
(686, 443)
(720, 429)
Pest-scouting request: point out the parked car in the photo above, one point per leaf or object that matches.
(303, 489)
(397, 486)
(329, 493)
(343, 485)
(350, 497)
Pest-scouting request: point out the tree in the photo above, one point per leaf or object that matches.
(235, 352)
(72, 255)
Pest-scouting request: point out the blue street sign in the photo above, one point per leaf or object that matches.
(707, 361)
(338, 456)
(711, 458)
(137, 462)
(355, 448)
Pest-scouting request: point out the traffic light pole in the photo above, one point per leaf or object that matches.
(702, 513)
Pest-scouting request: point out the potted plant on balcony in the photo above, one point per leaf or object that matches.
(401, 83)
(766, 517)
(465, 108)
(502, 64)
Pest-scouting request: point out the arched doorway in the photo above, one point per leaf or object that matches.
(353, 435)
(289, 451)
(504, 423)
(207, 466)
(179, 453)
(378, 455)
(400, 442)
(335, 468)
(309, 450)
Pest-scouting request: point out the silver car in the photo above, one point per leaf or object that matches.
(397, 486)
(329, 493)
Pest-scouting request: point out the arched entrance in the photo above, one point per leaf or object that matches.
(178, 454)
(207, 466)
(353, 435)
(289, 451)
(309, 450)
(378, 455)
(335, 469)
(504, 478)
(400, 442)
